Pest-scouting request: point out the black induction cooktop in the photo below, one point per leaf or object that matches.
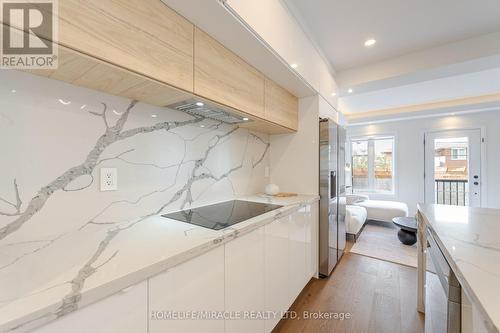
(222, 215)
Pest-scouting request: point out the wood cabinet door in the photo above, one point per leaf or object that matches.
(144, 36)
(281, 107)
(222, 76)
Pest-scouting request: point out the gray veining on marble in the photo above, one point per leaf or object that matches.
(52, 211)
(111, 135)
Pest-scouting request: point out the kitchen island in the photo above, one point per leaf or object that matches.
(469, 240)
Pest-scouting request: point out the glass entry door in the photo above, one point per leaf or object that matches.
(453, 167)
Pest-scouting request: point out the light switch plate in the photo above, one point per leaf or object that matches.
(109, 179)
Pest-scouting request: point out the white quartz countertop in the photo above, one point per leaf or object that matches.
(470, 240)
(139, 251)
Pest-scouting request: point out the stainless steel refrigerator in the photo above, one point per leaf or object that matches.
(332, 236)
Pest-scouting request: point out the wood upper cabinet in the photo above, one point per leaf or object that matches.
(144, 36)
(79, 69)
(222, 76)
(142, 49)
(281, 106)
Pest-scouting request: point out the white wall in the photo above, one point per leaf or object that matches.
(294, 158)
(409, 167)
(326, 111)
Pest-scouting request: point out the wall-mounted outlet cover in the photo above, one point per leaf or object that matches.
(109, 179)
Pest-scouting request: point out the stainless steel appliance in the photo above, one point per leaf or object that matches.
(222, 215)
(332, 235)
(443, 296)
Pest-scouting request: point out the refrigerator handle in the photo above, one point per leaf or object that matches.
(333, 184)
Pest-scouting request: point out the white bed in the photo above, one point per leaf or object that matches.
(384, 211)
(360, 208)
(355, 219)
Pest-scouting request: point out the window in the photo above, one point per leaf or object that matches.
(458, 154)
(373, 165)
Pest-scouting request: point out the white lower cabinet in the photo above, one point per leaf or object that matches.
(310, 215)
(123, 312)
(277, 297)
(252, 277)
(193, 288)
(288, 260)
(244, 292)
(297, 253)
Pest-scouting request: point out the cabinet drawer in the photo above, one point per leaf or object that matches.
(222, 76)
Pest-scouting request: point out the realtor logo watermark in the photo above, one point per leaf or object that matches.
(28, 31)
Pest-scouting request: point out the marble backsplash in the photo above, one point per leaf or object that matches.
(55, 137)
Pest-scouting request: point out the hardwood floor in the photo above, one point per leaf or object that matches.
(380, 296)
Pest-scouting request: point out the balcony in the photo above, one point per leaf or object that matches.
(452, 192)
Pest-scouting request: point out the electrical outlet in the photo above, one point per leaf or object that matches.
(109, 179)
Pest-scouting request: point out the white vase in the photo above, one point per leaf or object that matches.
(272, 189)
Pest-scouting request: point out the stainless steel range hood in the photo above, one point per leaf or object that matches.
(207, 109)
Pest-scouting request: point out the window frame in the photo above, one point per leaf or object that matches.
(371, 164)
(458, 156)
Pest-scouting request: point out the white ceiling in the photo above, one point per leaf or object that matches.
(431, 91)
(339, 27)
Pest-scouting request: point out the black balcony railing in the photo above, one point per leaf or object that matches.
(452, 192)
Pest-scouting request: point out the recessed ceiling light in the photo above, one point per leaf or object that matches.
(202, 126)
(294, 65)
(199, 104)
(334, 94)
(245, 119)
(154, 116)
(13, 90)
(350, 90)
(370, 42)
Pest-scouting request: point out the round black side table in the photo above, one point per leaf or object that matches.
(407, 233)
